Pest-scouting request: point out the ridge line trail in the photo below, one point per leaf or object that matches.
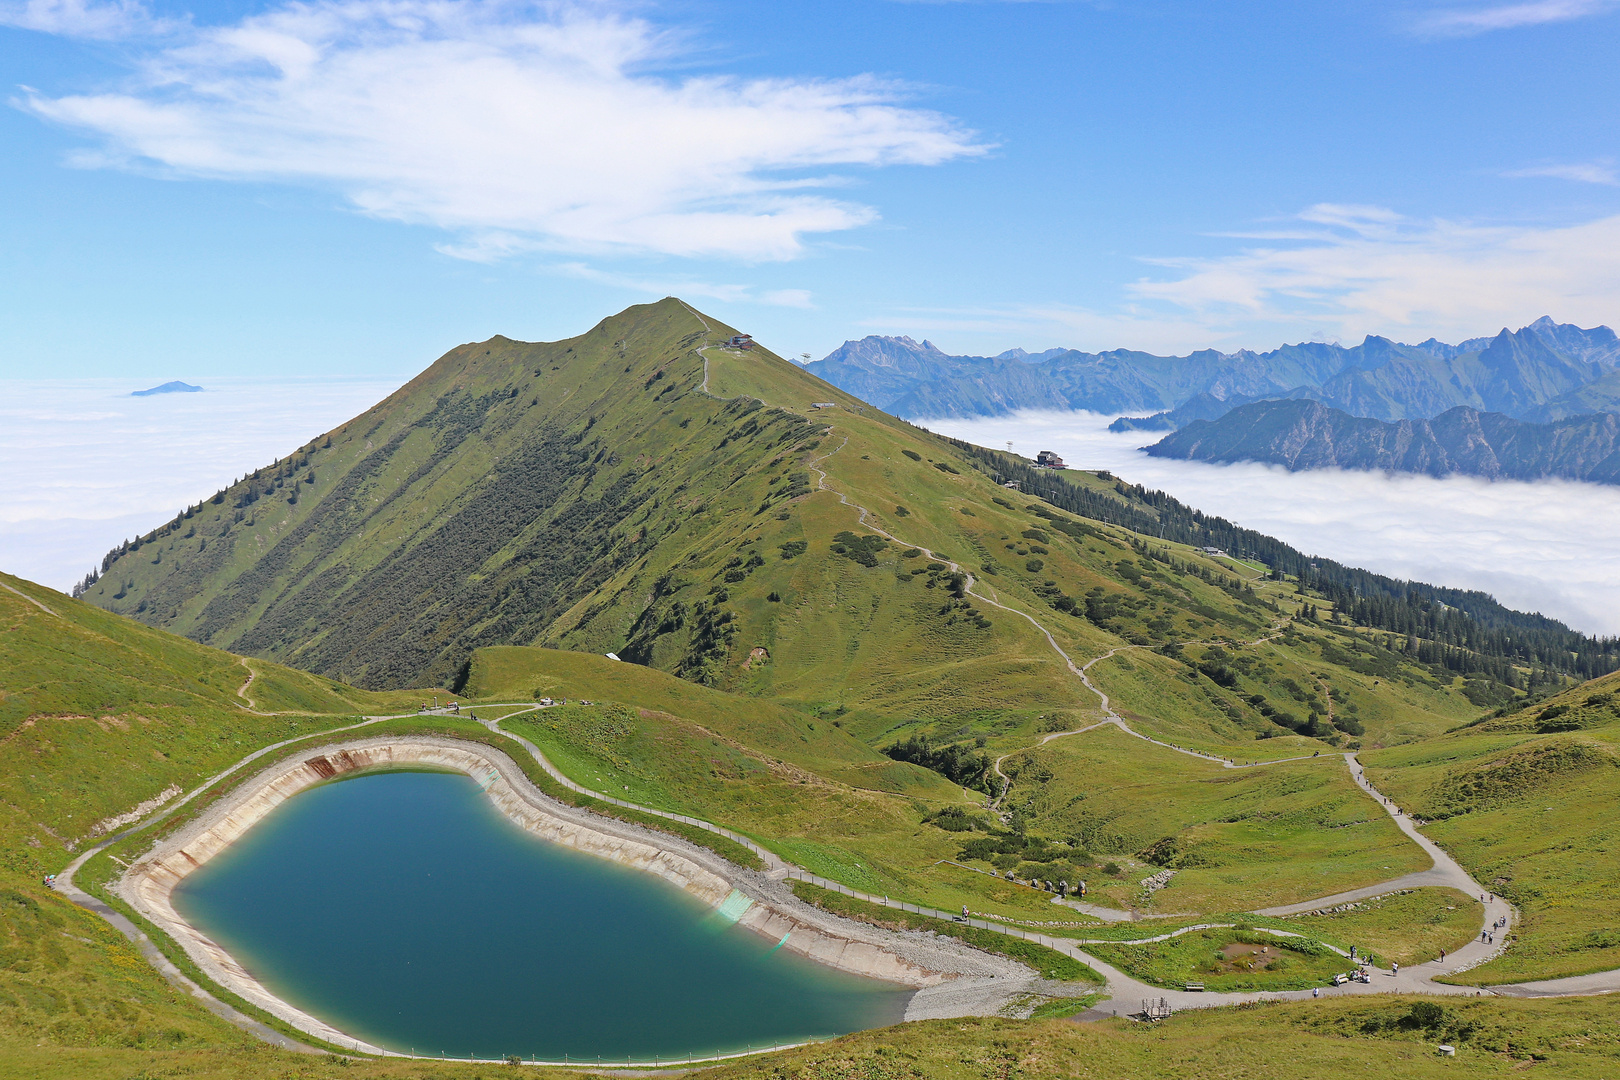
(28, 598)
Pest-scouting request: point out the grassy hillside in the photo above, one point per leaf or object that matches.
(1525, 802)
(103, 717)
(101, 713)
(1301, 1041)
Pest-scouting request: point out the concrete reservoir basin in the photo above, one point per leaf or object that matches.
(404, 909)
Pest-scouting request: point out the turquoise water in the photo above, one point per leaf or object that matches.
(404, 909)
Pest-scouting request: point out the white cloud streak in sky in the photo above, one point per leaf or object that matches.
(1461, 22)
(77, 18)
(1346, 271)
(1334, 272)
(1546, 546)
(1590, 172)
(514, 126)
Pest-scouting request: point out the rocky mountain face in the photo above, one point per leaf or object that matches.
(1544, 371)
(1309, 435)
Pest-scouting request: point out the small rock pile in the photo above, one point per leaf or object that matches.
(1151, 885)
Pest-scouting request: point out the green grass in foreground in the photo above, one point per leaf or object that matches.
(1238, 839)
(1381, 1037)
(1049, 962)
(1062, 1008)
(1409, 927)
(1227, 960)
(1525, 803)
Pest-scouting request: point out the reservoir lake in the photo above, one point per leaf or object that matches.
(405, 909)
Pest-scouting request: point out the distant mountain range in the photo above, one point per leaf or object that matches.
(1542, 372)
(1309, 435)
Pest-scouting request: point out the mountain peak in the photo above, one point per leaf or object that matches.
(173, 387)
(880, 351)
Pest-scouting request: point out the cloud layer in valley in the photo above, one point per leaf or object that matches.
(87, 466)
(1545, 547)
(512, 126)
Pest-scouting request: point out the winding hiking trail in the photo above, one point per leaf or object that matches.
(242, 691)
(1125, 989)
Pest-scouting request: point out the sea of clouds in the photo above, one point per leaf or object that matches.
(84, 466)
(1551, 546)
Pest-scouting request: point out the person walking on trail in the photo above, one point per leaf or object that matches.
(1442, 956)
(1395, 971)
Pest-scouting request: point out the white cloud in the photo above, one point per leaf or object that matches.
(1593, 172)
(514, 126)
(77, 18)
(794, 298)
(1480, 20)
(1457, 22)
(1347, 271)
(1545, 547)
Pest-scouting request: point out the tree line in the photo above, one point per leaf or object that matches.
(1441, 622)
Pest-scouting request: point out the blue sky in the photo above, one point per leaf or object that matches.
(353, 186)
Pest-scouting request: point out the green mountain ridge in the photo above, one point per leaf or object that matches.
(583, 494)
